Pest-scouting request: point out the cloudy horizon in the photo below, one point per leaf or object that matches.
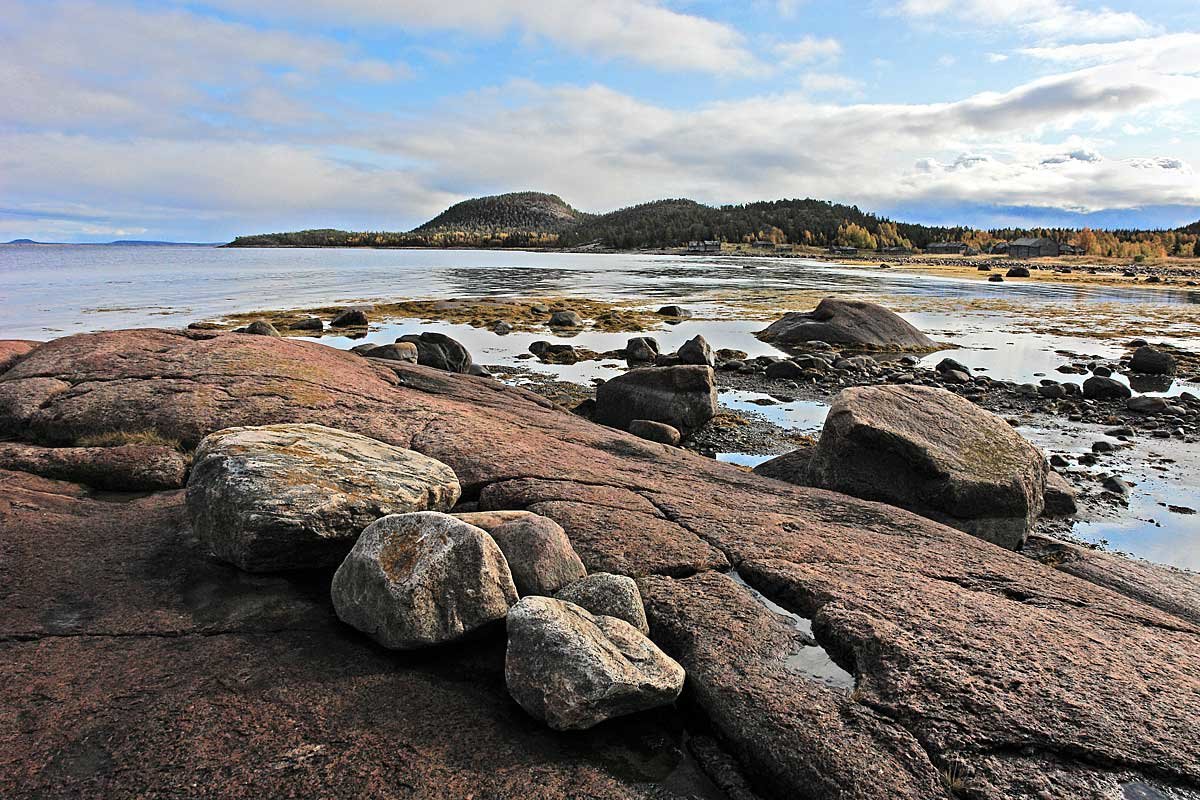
(202, 121)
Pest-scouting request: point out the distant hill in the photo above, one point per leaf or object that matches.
(535, 219)
(121, 242)
(22, 241)
(527, 212)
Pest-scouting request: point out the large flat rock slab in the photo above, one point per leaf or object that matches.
(1018, 678)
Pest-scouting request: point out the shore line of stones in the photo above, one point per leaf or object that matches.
(411, 573)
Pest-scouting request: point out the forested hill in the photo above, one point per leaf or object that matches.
(520, 211)
(533, 219)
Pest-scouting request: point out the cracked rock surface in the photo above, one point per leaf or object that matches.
(133, 664)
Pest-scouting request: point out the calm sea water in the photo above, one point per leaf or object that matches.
(51, 290)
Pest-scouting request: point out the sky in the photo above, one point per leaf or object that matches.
(200, 121)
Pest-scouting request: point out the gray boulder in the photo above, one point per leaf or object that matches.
(439, 351)
(608, 595)
(786, 370)
(400, 351)
(683, 397)
(655, 432)
(641, 349)
(1146, 404)
(296, 496)
(934, 453)
(675, 312)
(1098, 388)
(1149, 361)
(539, 554)
(422, 579)
(697, 351)
(853, 324)
(565, 319)
(1060, 496)
(573, 669)
(790, 467)
(261, 328)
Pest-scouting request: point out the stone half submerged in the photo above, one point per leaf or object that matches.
(849, 324)
(130, 657)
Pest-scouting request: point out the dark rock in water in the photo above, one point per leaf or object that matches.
(1059, 497)
(554, 353)
(1150, 361)
(309, 324)
(573, 669)
(124, 468)
(296, 496)
(786, 370)
(677, 312)
(932, 452)
(850, 323)
(608, 595)
(439, 351)
(1100, 388)
(422, 579)
(683, 397)
(950, 364)
(1102, 372)
(641, 349)
(1103, 447)
(996, 277)
(537, 550)
(655, 431)
(1053, 391)
(1017, 272)
(565, 319)
(1140, 382)
(502, 328)
(1116, 485)
(791, 467)
(399, 351)
(350, 318)
(697, 351)
(1146, 404)
(261, 328)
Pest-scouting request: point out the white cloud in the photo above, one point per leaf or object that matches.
(642, 31)
(1047, 20)
(996, 58)
(807, 50)
(816, 82)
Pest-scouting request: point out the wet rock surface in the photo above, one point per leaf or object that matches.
(573, 669)
(1015, 677)
(296, 496)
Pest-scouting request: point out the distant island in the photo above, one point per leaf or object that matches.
(121, 242)
(539, 220)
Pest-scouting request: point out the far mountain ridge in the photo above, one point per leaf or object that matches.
(537, 219)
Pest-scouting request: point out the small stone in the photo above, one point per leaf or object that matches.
(655, 431)
(1145, 404)
(697, 351)
(608, 595)
(309, 324)
(785, 370)
(261, 328)
(641, 349)
(565, 319)
(351, 318)
(416, 580)
(573, 669)
(1101, 388)
(502, 328)
(678, 312)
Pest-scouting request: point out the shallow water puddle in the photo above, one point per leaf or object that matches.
(811, 660)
